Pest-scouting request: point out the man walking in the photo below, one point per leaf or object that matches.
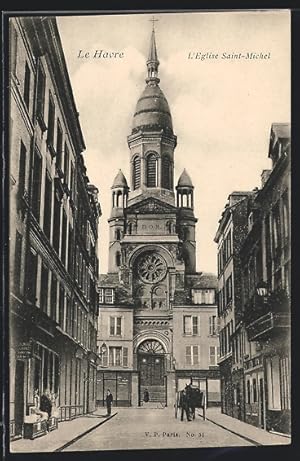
(184, 405)
(109, 400)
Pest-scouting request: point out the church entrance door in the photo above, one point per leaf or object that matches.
(151, 365)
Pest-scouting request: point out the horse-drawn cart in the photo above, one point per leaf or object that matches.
(195, 398)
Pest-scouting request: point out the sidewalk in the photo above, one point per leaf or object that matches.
(67, 431)
(252, 433)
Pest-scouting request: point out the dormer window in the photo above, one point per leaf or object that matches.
(106, 296)
(203, 296)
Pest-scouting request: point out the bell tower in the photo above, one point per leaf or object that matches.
(152, 141)
(117, 221)
(186, 221)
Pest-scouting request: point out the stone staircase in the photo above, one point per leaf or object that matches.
(157, 396)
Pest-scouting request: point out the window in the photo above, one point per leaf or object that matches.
(56, 224)
(213, 355)
(118, 259)
(47, 205)
(22, 170)
(151, 171)
(115, 356)
(44, 288)
(285, 383)
(192, 355)
(115, 326)
(72, 181)
(17, 268)
(229, 289)
(191, 325)
(53, 298)
(166, 173)
(59, 145)
(32, 277)
(27, 85)
(64, 238)
(70, 251)
(254, 390)
(51, 121)
(276, 227)
(203, 296)
(286, 219)
(125, 356)
(136, 173)
(109, 295)
(118, 234)
(248, 391)
(213, 325)
(67, 163)
(36, 185)
(41, 85)
(61, 307)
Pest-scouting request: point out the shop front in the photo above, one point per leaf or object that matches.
(120, 385)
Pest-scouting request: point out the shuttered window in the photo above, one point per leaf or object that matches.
(136, 173)
(166, 174)
(125, 356)
(151, 171)
(192, 355)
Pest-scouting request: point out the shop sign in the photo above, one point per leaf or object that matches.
(25, 351)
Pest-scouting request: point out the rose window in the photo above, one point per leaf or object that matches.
(151, 268)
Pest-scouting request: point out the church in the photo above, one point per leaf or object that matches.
(157, 327)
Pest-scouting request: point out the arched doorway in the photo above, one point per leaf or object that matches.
(151, 366)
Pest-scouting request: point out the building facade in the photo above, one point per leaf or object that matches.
(232, 230)
(265, 256)
(157, 327)
(54, 214)
(255, 329)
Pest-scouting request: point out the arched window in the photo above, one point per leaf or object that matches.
(166, 173)
(151, 171)
(118, 234)
(118, 259)
(136, 173)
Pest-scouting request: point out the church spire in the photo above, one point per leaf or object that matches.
(152, 62)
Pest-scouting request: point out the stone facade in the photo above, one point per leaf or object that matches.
(54, 214)
(154, 306)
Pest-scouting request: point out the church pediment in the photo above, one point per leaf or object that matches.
(151, 206)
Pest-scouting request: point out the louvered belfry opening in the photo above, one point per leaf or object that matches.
(151, 170)
(136, 173)
(166, 181)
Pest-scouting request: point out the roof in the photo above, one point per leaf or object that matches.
(120, 180)
(185, 180)
(152, 109)
(202, 280)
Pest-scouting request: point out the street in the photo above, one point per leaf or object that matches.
(155, 428)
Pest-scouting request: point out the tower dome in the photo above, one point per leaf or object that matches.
(152, 110)
(185, 180)
(120, 180)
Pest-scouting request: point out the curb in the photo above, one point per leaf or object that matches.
(235, 433)
(78, 437)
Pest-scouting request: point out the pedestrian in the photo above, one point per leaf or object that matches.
(146, 395)
(184, 405)
(46, 404)
(109, 400)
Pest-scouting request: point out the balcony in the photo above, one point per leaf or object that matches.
(266, 315)
(267, 324)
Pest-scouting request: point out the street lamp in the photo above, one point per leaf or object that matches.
(103, 349)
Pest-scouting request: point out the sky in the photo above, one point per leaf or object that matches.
(222, 109)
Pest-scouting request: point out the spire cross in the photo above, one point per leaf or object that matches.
(153, 21)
